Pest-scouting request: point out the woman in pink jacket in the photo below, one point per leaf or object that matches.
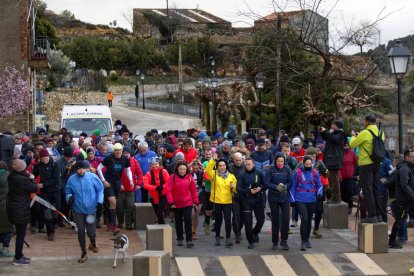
(182, 194)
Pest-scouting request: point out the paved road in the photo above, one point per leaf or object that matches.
(140, 121)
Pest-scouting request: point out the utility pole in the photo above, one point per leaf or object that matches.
(278, 72)
(180, 73)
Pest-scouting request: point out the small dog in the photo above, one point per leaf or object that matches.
(121, 244)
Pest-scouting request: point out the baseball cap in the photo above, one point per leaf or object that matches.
(296, 141)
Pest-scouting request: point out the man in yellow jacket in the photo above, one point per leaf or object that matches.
(368, 170)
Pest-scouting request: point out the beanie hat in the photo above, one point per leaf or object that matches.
(68, 152)
(278, 155)
(218, 135)
(126, 149)
(201, 135)
(27, 149)
(179, 156)
(90, 149)
(118, 146)
(207, 139)
(170, 148)
(339, 124)
(18, 165)
(97, 132)
(311, 151)
(80, 165)
(44, 153)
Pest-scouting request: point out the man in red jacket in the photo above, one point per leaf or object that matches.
(126, 197)
(187, 149)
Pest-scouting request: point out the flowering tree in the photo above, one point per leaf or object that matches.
(14, 92)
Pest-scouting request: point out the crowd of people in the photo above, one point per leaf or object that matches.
(197, 174)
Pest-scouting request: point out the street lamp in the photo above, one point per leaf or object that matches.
(200, 84)
(213, 66)
(143, 92)
(259, 85)
(399, 59)
(214, 85)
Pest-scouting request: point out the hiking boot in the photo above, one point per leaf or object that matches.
(26, 258)
(4, 252)
(284, 245)
(239, 238)
(195, 236)
(316, 234)
(369, 220)
(251, 246)
(21, 262)
(294, 223)
(394, 244)
(256, 238)
(120, 226)
(218, 241)
(207, 229)
(93, 247)
(180, 243)
(303, 247)
(41, 231)
(308, 244)
(379, 219)
(190, 244)
(229, 244)
(33, 230)
(274, 246)
(51, 237)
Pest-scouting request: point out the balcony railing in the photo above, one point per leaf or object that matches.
(41, 49)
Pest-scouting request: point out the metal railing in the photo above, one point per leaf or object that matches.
(183, 109)
(41, 49)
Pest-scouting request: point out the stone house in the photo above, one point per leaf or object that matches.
(311, 26)
(22, 49)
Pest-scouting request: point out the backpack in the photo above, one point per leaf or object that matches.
(378, 147)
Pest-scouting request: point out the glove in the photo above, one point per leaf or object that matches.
(280, 188)
(159, 189)
(99, 208)
(70, 202)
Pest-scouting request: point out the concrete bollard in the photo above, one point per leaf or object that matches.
(335, 216)
(373, 237)
(159, 237)
(151, 263)
(144, 214)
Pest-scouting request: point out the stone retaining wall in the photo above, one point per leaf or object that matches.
(54, 101)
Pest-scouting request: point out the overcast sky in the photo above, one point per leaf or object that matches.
(343, 12)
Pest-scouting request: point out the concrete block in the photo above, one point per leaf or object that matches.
(159, 237)
(335, 216)
(151, 263)
(144, 214)
(373, 237)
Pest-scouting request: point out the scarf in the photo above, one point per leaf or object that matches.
(223, 175)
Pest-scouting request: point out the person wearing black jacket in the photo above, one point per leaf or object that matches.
(250, 187)
(21, 185)
(65, 143)
(278, 181)
(404, 189)
(236, 168)
(333, 156)
(50, 183)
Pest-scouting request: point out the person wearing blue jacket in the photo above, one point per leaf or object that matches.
(84, 192)
(250, 188)
(278, 181)
(262, 157)
(305, 190)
